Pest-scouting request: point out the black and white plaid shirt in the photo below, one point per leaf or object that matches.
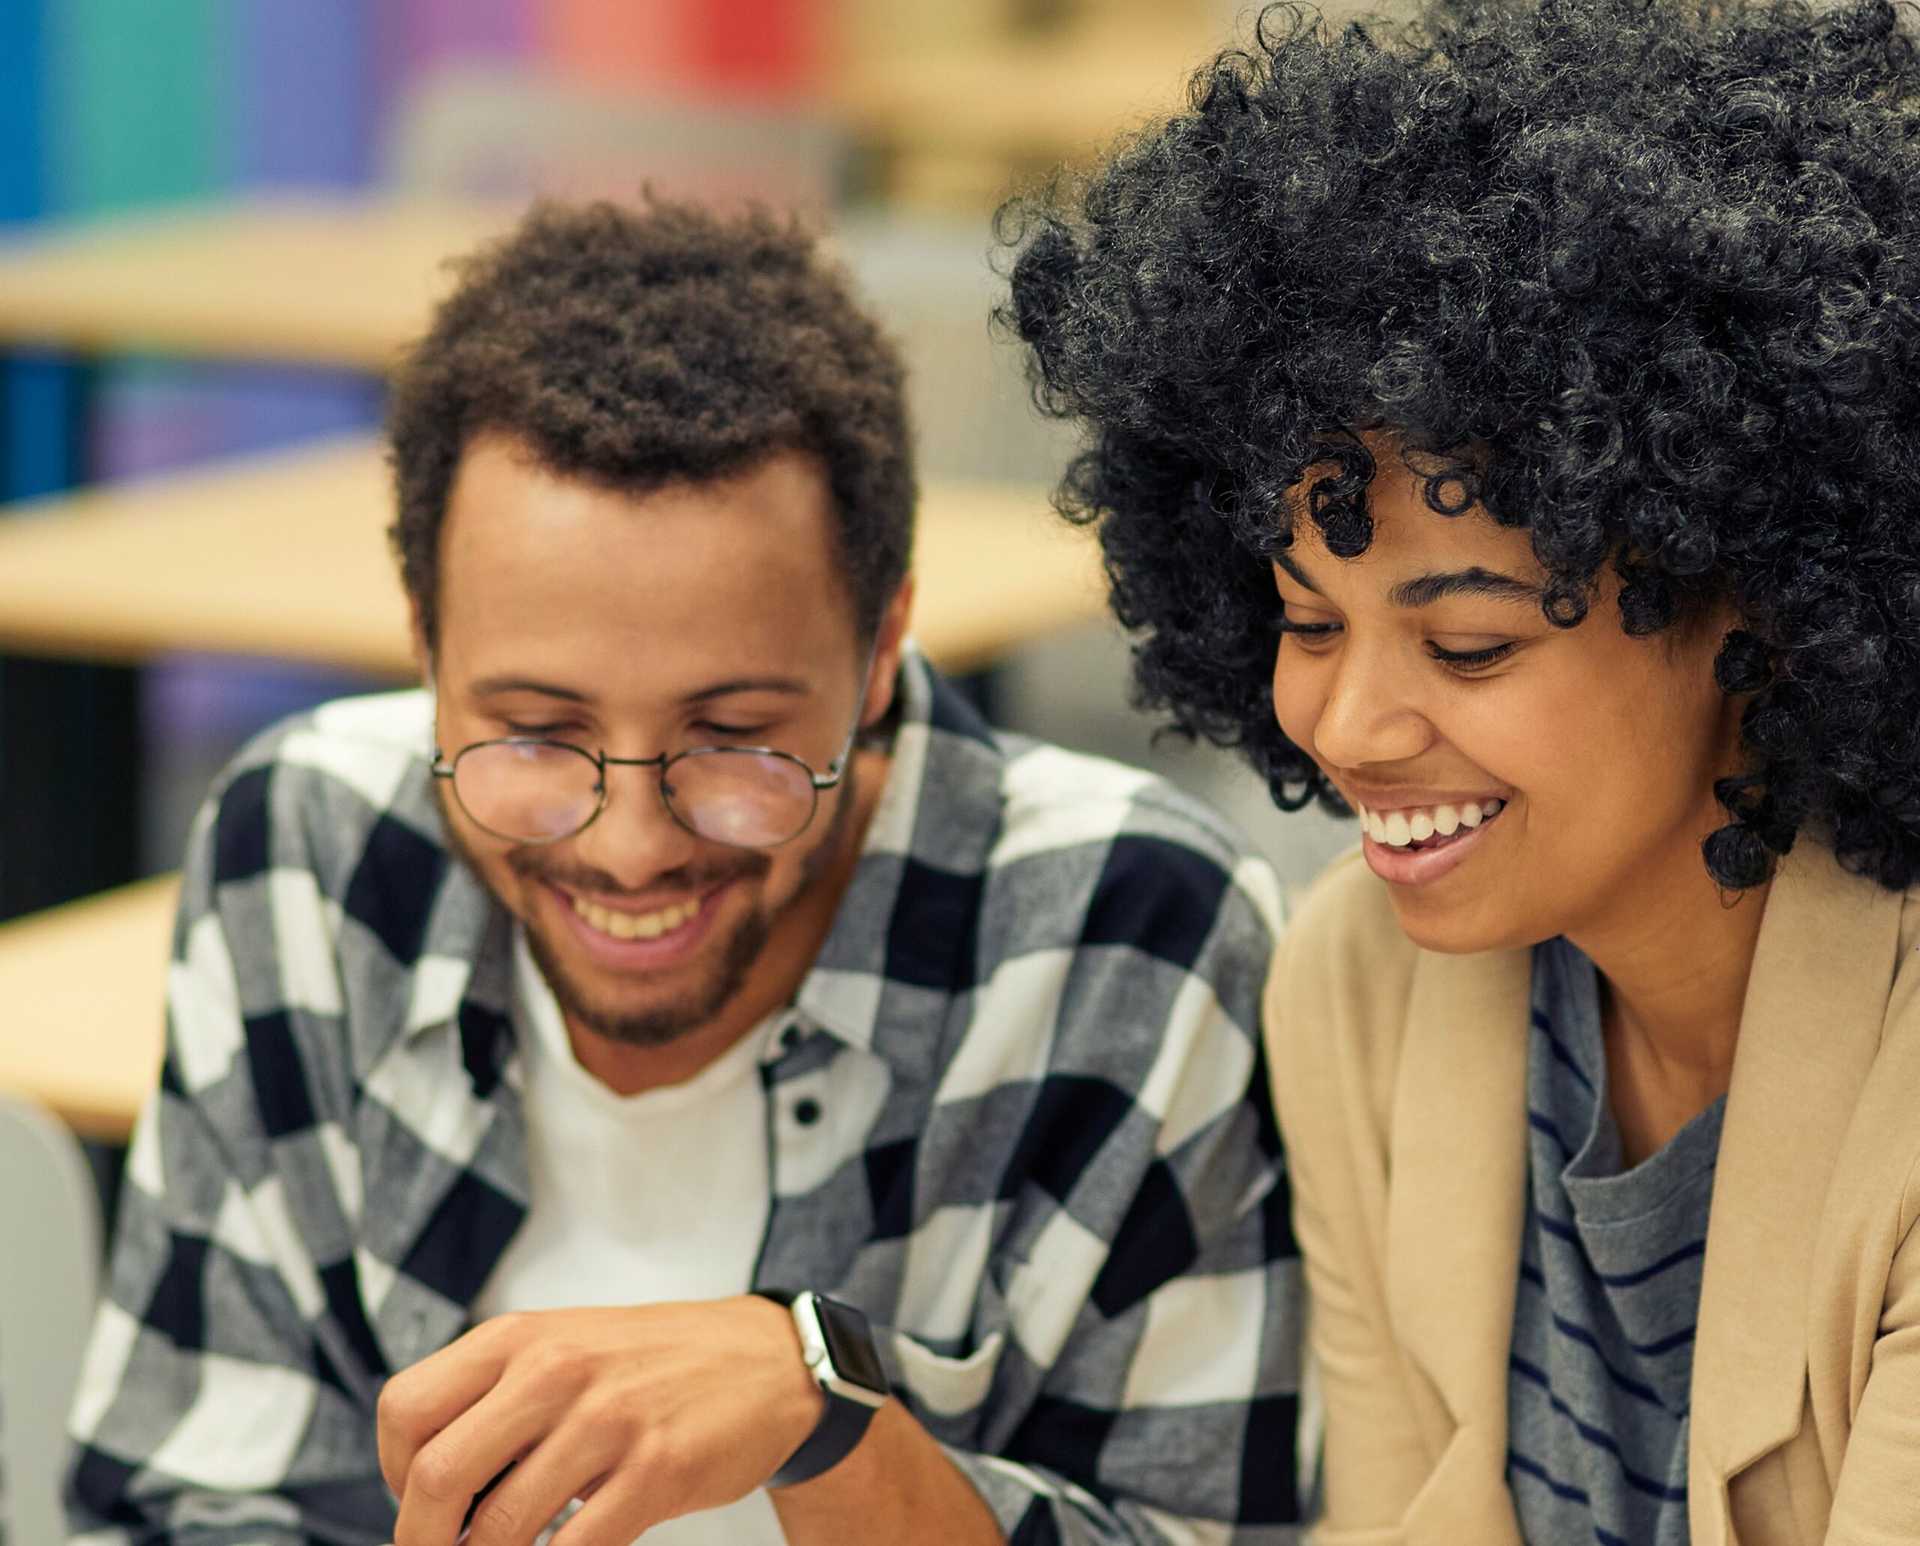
(1038, 1148)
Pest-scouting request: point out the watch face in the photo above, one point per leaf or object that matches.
(850, 1345)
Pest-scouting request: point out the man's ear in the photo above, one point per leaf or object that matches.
(890, 641)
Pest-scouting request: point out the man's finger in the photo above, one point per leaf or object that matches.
(418, 1402)
(618, 1511)
(567, 1464)
(467, 1462)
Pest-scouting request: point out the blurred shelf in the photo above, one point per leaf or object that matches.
(285, 555)
(339, 282)
(1043, 100)
(957, 126)
(85, 985)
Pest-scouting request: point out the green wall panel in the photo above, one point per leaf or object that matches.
(141, 101)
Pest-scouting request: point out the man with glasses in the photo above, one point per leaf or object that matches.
(682, 1072)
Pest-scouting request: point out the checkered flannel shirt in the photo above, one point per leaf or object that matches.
(1037, 1150)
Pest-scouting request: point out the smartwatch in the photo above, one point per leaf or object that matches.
(837, 1344)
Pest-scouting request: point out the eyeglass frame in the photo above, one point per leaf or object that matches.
(831, 777)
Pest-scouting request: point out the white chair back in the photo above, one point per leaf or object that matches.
(49, 1276)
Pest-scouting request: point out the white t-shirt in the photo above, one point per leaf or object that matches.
(638, 1199)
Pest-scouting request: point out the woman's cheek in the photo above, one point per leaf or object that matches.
(1296, 701)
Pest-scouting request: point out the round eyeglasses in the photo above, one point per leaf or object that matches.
(528, 790)
(531, 791)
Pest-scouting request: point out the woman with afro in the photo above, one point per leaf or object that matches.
(1503, 425)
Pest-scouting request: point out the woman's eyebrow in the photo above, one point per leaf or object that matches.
(1423, 590)
(1296, 573)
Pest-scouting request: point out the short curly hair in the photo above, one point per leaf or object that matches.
(640, 347)
(1636, 275)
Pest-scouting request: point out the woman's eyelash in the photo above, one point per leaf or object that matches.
(537, 732)
(1456, 660)
(1471, 660)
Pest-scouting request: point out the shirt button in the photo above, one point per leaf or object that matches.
(806, 1111)
(790, 1038)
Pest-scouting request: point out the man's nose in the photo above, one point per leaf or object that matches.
(635, 838)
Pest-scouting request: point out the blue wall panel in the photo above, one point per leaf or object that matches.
(22, 143)
(303, 93)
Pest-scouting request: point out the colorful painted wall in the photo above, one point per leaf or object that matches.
(114, 105)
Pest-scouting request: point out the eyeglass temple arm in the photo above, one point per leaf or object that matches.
(837, 769)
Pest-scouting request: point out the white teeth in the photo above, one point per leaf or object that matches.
(1398, 829)
(636, 925)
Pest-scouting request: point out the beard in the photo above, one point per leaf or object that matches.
(663, 1023)
(728, 961)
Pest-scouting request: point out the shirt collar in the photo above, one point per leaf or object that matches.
(926, 844)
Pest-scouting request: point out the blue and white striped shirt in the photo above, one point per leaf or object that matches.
(1602, 1352)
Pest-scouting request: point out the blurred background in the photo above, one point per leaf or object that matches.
(900, 124)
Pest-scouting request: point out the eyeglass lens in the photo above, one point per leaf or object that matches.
(540, 792)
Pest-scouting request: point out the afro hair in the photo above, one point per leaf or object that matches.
(1638, 276)
(638, 347)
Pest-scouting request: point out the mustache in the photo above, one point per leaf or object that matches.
(533, 864)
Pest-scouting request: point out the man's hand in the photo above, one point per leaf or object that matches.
(648, 1413)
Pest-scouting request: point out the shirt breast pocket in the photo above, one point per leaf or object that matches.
(947, 1393)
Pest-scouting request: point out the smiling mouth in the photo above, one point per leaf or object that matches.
(626, 926)
(1433, 826)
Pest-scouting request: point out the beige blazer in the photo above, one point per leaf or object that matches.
(1400, 1082)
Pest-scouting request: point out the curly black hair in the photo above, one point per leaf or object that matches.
(637, 347)
(1636, 275)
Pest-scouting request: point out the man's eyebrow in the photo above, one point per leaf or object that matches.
(790, 685)
(1424, 590)
(488, 686)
